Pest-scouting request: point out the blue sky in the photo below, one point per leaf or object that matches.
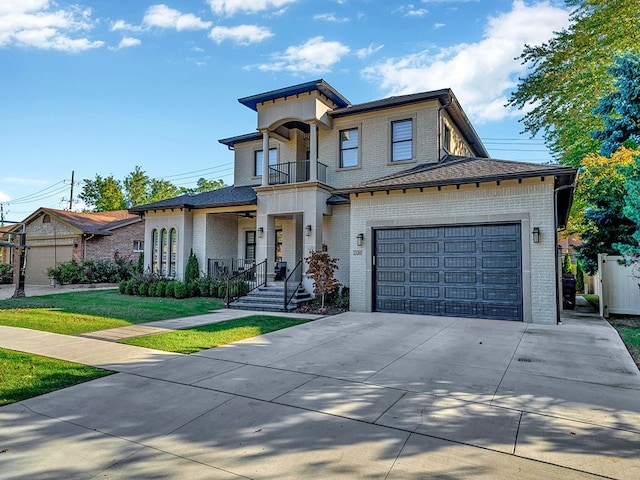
(101, 86)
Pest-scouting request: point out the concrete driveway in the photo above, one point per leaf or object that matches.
(349, 396)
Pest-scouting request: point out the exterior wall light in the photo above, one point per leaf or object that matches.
(307, 230)
(360, 239)
(260, 232)
(535, 234)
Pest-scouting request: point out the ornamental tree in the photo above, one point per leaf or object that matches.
(322, 268)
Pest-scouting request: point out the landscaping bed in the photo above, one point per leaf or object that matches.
(628, 328)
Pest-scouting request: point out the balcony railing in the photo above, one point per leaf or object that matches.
(295, 172)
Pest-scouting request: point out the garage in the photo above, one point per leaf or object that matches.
(39, 258)
(452, 270)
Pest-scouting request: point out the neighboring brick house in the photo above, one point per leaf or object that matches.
(401, 190)
(59, 236)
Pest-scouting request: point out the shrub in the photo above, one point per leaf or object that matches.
(170, 289)
(143, 289)
(6, 273)
(160, 288)
(238, 288)
(579, 278)
(180, 290)
(140, 264)
(191, 272)
(566, 265)
(152, 289)
(222, 290)
(129, 287)
(192, 289)
(343, 299)
(122, 286)
(67, 273)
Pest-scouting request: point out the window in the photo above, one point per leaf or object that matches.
(349, 148)
(173, 251)
(155, 252)
(250, 245)
(164, 252)
(278, 245)
(273, 160)
(138, 246)
(401, 140)
(447, 139)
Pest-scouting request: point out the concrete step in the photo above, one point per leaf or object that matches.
(271, 298)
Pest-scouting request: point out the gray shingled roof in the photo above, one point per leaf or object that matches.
(223, 197)
(456, 170)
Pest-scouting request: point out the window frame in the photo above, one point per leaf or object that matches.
(341, 149)
(257, 166)
(138, 246)
(173, 252)
(155, 250)
(247, 244)
(410, 140)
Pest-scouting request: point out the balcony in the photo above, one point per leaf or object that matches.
(295, 172)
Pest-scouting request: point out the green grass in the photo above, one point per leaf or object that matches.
(213, 335)
(86, 311)
(23, 375)
(631, 337)
(594, 300)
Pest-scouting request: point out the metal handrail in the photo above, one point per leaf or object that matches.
(246, 281)
(287, 297)
(295, 172)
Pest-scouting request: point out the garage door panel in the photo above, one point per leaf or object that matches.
(473, 271)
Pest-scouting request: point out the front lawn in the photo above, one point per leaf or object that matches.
(23, 375)
(86, 311)
(213, 335)
(629, 330)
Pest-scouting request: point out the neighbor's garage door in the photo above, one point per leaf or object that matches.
(465, 271)
(41, 258)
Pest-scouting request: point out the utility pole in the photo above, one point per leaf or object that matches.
(1, 214)
(71, 195)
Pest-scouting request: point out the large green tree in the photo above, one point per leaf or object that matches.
(102, 194)
(569, 74)
(137, 186)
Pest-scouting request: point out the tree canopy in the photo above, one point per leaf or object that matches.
(105, 194)
(569, 74)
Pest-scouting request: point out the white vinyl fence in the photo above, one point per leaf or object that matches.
(618, 286)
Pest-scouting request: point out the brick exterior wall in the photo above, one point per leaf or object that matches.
(531, 203)
(121, 243)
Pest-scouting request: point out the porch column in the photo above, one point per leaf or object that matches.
(266, 245)
(313, 153)
(265, 158)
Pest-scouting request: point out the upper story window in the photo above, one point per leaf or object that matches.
(402, 140)
(447, 139)
(349, 148)
(259, 156)
(46, 218)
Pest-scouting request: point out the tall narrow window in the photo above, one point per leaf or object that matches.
(259, 156)
(173, 251)
(164, 253)
(401, 140)
(349, 148)
(250, 245)
(155, 253)
(447, 139)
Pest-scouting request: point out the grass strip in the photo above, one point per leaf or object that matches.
(86, 311)
(631, 338)
(23, 375)
(215, 334)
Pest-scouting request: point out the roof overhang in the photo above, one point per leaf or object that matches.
(316, 85)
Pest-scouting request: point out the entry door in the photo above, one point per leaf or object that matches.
(460, 271)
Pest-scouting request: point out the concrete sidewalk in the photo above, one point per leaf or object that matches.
(349, 396)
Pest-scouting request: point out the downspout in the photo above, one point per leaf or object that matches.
(438, 126)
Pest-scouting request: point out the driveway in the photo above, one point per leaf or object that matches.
(351, 396)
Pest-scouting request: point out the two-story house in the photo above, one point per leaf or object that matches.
(401, 190)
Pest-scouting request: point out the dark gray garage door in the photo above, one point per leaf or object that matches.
(463, 271)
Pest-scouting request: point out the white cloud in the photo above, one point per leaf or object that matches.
(312, 57)
(438, 26)
(164, 17)
(368, 51)
(4, 197)
(42, 24)
(411, 10)
(330, 17)
(481, 74)
(242, 34)
(127, 42)
(230, 7)
(120, 25)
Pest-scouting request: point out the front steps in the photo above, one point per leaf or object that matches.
(270, 298)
